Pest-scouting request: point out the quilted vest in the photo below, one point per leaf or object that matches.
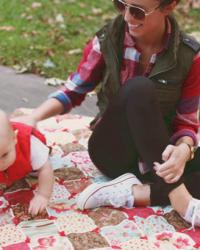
(22, 165)
(168, 74)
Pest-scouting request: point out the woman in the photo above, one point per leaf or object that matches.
(148, 100)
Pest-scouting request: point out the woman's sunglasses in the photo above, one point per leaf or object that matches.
(137, 12)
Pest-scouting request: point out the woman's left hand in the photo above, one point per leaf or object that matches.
(175, 158)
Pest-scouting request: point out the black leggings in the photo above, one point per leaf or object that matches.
(131, 128)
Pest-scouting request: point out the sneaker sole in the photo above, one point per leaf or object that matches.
(90, 190)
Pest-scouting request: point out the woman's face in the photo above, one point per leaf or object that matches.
(151, 23)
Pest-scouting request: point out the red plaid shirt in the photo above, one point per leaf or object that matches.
(90, 71)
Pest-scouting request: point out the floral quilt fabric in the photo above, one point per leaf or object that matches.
(62, 226)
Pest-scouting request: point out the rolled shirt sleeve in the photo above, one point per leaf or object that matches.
(85, 79)
(186, 122)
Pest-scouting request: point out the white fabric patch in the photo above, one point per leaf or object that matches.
(39, 153)
(70, 85)
(96, 45)
(153, 58)
(132, 54)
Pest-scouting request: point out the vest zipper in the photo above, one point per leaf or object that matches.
(162, 71)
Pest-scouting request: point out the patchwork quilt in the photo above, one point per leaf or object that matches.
(62, 226)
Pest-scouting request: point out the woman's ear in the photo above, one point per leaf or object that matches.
(167, 10)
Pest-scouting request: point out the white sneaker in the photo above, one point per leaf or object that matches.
(117, 193)
(193, 213)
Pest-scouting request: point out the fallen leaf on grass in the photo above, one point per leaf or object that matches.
(29, 66)
(50, 52)
(19, 69)
(75, 51)
(49, 64)
(7, 28)
(54, 82)
(36, 5)
(59, 18)
(96, 11)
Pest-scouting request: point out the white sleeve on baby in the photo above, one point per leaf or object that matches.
(39, 153)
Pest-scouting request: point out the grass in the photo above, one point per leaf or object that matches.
(47, 37)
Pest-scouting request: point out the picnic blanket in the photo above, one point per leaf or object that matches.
(63, 226)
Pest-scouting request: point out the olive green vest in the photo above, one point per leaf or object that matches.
(168, 74)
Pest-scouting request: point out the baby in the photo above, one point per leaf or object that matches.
(23, 150)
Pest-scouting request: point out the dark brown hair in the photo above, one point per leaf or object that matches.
(167, 2)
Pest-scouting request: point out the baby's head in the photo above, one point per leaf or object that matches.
(8, 140)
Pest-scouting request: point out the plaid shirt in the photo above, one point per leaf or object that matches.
(89, 75)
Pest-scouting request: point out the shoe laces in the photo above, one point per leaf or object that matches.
(195, 216)
(114, 198)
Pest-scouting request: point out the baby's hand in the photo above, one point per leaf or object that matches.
(38, 204)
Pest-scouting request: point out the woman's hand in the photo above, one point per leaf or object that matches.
(18, 115)
(175, 158)
(26, 119)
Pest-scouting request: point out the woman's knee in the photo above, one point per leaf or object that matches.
(110, 167)
(137, 89)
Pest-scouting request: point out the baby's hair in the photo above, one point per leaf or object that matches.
(5, 124)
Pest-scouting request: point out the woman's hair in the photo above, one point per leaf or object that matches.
(167, 2)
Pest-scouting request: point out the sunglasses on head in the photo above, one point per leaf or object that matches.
(137, 12)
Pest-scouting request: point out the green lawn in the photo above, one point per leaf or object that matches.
(47, 36)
